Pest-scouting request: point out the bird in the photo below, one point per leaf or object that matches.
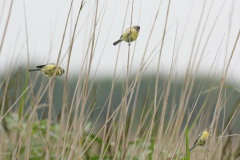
(125, 36)
(202, 138)
(48, 69)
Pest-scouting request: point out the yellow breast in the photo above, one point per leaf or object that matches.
(204, 136)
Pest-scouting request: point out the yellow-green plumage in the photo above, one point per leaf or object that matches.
(48, 69)
(129, 35)
(202, 139)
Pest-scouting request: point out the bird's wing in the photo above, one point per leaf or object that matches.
(122, 34)
(127, 31)
(198, 138)
(41, 66)
(130, 32)
(51, 68)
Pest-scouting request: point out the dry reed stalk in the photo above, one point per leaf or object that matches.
(158, 145)
(189, 71)
(6, 26)
(87, 79)
(156, 84)
(110, 98)
(181, 137)
(51, 94)
(222, 84)
(66, 77)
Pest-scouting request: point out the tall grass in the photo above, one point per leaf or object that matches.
(137, 128)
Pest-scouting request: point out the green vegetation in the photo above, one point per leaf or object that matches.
(15, 129)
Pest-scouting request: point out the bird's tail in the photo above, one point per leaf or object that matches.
(192, 148)
(118, 41)
(35, 69)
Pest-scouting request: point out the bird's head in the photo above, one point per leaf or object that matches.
(137, 28)
(61, 71)
(208, 130)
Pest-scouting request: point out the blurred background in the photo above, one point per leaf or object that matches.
(45, 22)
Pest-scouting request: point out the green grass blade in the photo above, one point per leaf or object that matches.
(187, 144)
(209, 90)
(21, 107)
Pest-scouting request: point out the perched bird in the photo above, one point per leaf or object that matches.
(48, 69)
(125, 36)
(202, 138)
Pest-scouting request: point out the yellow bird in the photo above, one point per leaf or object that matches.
(202, 139)
(125, 36)
(48, 69)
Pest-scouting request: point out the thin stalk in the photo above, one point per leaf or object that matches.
(160, 53)
(6, 26)
(51, 94)
(87, 79)
(223, 80)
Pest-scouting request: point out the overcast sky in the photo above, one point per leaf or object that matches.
(46, 20)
